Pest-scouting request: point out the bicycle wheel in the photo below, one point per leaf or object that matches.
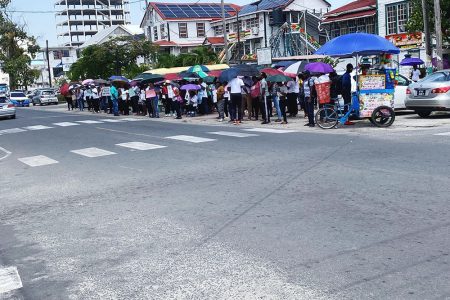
(326, 118)
(383, 116)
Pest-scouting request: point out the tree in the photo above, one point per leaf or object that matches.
(115, 57)
(16, 51)
(199, 56)
(415, 22)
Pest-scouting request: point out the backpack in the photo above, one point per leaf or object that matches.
(255, 90)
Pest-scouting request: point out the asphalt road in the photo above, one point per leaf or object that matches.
(260, 215)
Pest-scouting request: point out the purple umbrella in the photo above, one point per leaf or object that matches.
(319, 67)
(411, 61)
(446, 63)
(190, 87)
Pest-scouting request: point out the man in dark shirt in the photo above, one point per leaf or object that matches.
(347, 89)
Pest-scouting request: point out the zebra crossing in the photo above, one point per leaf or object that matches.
(95, 152)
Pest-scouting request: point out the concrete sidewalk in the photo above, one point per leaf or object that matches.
(405, 121)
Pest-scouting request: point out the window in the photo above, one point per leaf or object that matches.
(351, 26)
(397, 15)
(57, 54)
(344, 30)
(200, 29)
(361, 25)
(251, 23)
(162, 30)
(155, 33)
(182, 30)
(370, 25)
(218, 30)
(227, 27)
(294, 17)
(184, 50)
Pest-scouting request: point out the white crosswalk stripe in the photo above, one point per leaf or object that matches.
(269, 130)
(38, 161)
(9, 280)
(92, 152)
(112, 120)
(132, 119)
(190, 138)
(37, 127)
(140, 146)
(11, 130)
(233, 134)
(443, 133)
(66, 124)
(89, 122)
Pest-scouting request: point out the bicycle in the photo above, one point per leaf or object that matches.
(330, 115)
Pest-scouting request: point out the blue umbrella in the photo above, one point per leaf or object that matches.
(228, 74)
(354, 44)
(411, 61)
(118, 78)
(198, 68)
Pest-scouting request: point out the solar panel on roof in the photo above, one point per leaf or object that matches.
(193, 11)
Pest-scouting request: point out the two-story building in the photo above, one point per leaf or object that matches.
(356, 16)
(180, 27)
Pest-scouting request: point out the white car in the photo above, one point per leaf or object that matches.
(7, 109)
(400, 92)
(45, 96)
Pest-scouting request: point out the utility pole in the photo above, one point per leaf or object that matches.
(438, 29)
(238, 38)
(48, 65)
(224, 31)
(426, 29)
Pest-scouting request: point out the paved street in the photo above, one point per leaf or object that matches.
(96, 208)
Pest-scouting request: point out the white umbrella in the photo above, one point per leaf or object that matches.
(295, 68)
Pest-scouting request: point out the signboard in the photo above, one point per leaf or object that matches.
(264, 56)
(368, 102)
(323, 92)
(67, 60)
(66, 68)
(372, 82)
(406, 40)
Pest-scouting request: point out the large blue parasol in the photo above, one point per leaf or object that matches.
(411, 61)
(354, 44)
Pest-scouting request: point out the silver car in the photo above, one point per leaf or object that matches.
(7, 109)
(430, 94)
(46, 96)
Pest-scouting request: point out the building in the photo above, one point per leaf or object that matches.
(114, 31)
(288, 27)
(60, 58)
(79, 20)
(179, 28)
(356, 16)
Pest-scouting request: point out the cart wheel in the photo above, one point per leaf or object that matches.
(326, 118)
(383, 116)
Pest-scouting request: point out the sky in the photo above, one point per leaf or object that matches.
(39, 18)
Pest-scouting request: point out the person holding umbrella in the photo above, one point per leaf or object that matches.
(115, 99)
(308, 85)
(235, 87)
(264, 95)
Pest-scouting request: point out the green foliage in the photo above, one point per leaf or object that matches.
(331, 61)
(115, 57)
(16, 51)
(415, 22)
(199, 56)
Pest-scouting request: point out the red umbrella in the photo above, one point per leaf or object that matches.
(64, 89)
(215, 73)
(172, 76)
(272, 72)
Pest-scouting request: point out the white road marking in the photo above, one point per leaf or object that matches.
(89, 122)
(112, 120)
(65, 124)
(11, 130)
(442, 133)
(270, 130)
(140, 146)
(233, 134)
(132, 119)
(7, 153)
(93, 152)
(190, 138)
(37, 127)
(37, 161)
(9, 280)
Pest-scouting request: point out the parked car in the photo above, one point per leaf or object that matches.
(19, 99)
(7, 109)
(430, 94)
(46, 96)
(400, 92)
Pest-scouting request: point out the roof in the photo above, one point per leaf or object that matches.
(165, 43)
(263, 5)
(357, 5)
(215, 40)
(193, 10)
(100, 36)
(350, 16)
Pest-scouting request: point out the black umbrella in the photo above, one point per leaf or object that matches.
(247, 70)
(149, 78)
(186, 74)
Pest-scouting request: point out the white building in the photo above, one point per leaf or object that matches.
(112, 32)
(60, 58)
(79, 20)
(180, 27)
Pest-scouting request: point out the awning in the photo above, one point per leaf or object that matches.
(350, 16)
